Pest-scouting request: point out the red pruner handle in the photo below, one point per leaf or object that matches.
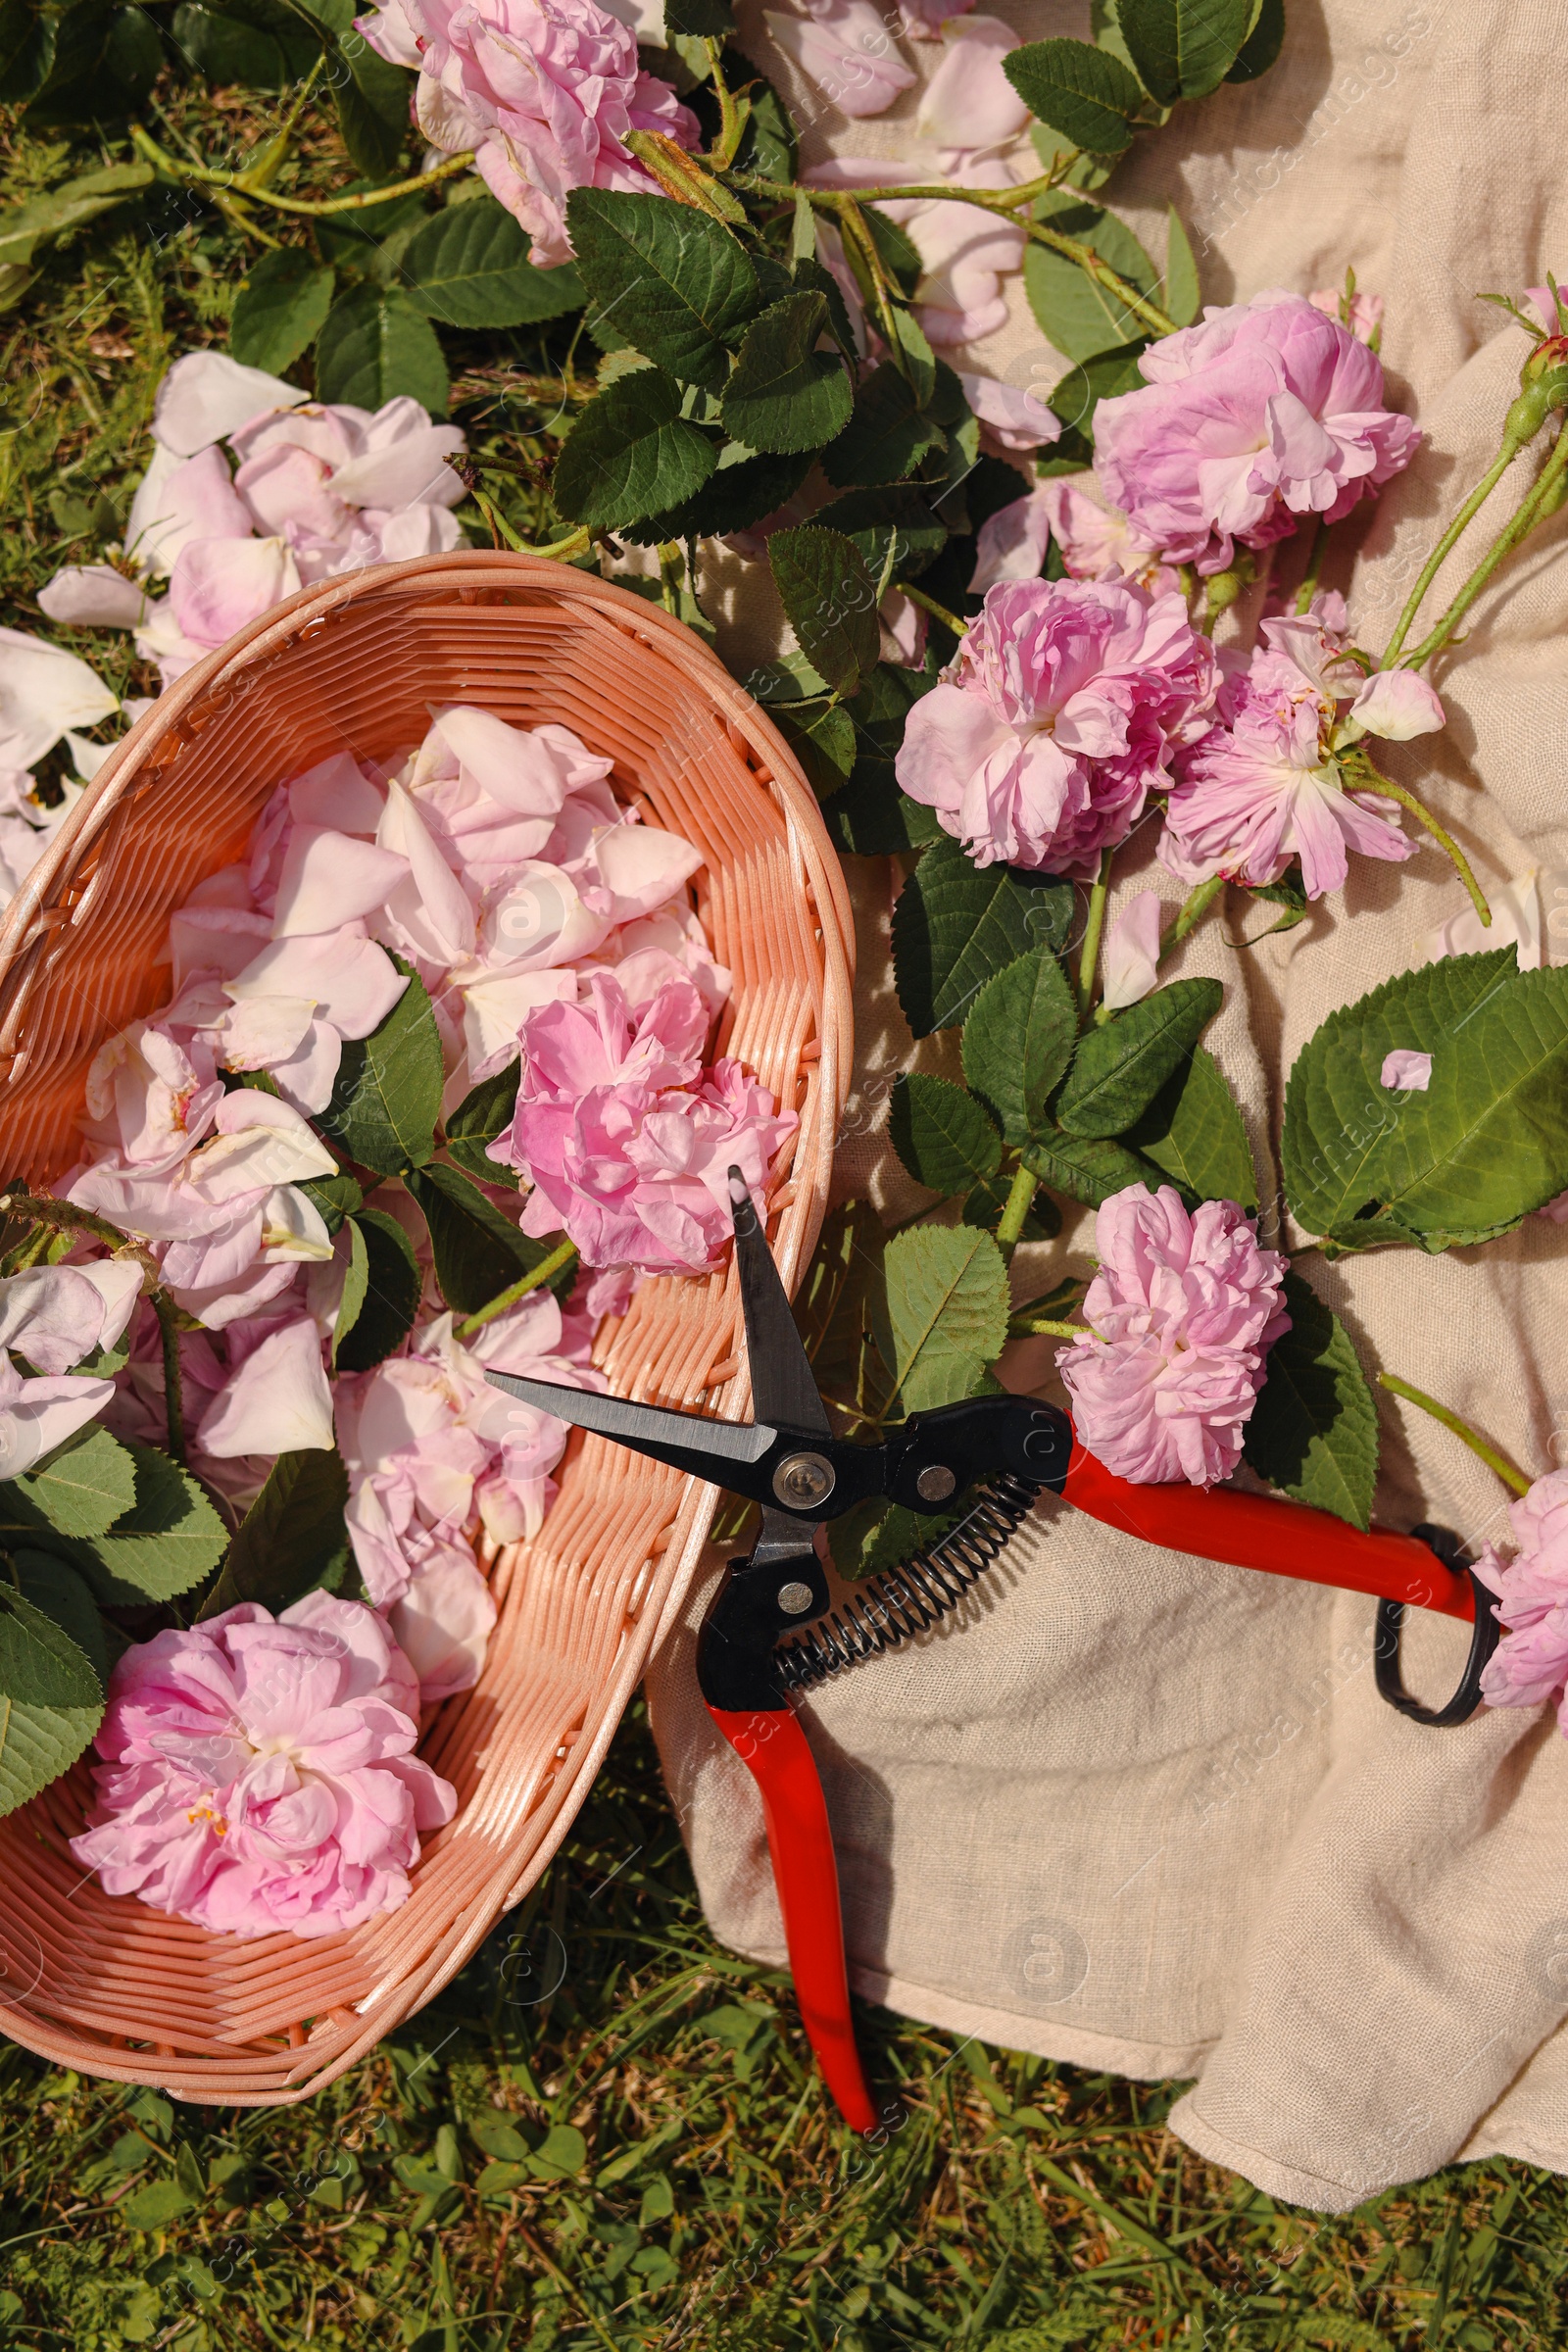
(772, 1746)
(1259, 1531)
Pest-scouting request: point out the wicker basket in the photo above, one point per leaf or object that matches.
(107, 1985)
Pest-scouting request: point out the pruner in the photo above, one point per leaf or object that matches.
(772, 1630)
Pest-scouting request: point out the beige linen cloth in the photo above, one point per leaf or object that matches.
(1128, 1810)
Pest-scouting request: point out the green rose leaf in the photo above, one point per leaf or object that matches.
(370, 243)
(469, 267)
(1082, 389)
(169, 1542)
(478, 1251)
(104, 64)
(632, 452)
(293, 1537)
(821, 735)
(740, 491)
(875, 1536)
(26, 53)
(830, 599)
(895, 522)
(484, 1112)
(1121, 1065)
(1484, 1144)
(336, 1197)
(678, 285)
(1314, 1428)
(266, 48)
(380, 1292)
(1088, 1170)
(872, 818)
(1193, 1130)
(957, 924)
(1018, 1041)
(373, 346)
(1084, 93)
(1080, 318)
(372, 94)
(62, 1593)
(86, 1487)
(387, 1098)
(1263, 46)
(1182, 48)
(888, 435)
(51, 1701)
(784, 394)
(944, 1137)
(1183, 295)
(281, 309)
(942, 1316)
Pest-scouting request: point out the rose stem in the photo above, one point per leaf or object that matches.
(1376, 781)
(1020, 1198)
(1493, 1460)
(560, 1255)
(1094, 925)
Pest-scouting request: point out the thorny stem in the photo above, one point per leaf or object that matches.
(499, 528)
(1374, 780)
(858, 238)
(1507, 1471)
(1006, 201)
(1541, 500)
(1094, 925)
(731, 116)
(66, 1218)
(547, 1267)
(1449, 540)
(1019, 1200)
(148, 146)
(1030, 1327)
(272, 158)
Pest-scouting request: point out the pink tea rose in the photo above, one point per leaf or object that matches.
(1060, 714)
(546, 90)
(1264, 784)
(259, 1773)
(625, 1139)
(1267, 412)
(439, 1459)
(1530, 1661)
(1182, 1310)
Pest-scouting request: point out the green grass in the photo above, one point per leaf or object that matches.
(691, 2187)
(709, 2200)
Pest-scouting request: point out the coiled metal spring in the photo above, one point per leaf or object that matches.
(890, 1609)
